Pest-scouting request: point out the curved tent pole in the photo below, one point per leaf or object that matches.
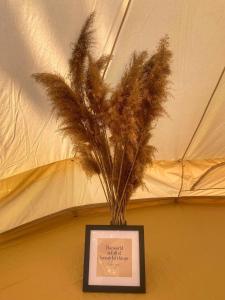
(117, 37)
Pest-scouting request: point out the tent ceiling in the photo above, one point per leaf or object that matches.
(197, 35)
(36, 38)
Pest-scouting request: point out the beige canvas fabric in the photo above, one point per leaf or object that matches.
(50, 189)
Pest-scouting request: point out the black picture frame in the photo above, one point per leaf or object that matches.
(87, 287)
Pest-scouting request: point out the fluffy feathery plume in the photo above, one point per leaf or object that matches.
(111, 129)
(154, 92)
(96, 88)
(73, 115)
(79, 53)
(155, 83)
(126, 102)
(66, 103)
(87, 160)
(136, 103)
(103, 61)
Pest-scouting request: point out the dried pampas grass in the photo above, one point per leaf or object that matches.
(111, 129)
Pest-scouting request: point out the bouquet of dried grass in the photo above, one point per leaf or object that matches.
(111, 128)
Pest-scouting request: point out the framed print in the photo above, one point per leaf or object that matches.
(114, 259)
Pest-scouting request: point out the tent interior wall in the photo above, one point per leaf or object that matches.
(184, 257)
